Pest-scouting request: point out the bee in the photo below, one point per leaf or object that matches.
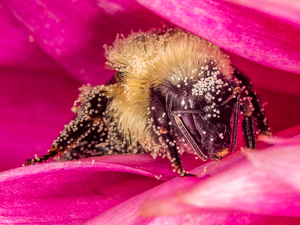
(172, 92)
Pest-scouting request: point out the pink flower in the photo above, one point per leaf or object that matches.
(49, 48)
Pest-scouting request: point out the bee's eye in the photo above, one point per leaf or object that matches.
(181, 101)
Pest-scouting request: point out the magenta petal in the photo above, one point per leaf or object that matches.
(246, 188)
(18, 47)
(288, 9)
(69, 192)
(244, 31)
(129, 212)
(236, 185)
(165, 201)
(291, 132)
(36, 104)
(282, 161)
(73, 32)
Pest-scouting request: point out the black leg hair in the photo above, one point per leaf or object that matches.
(252, 110)
(258, 110)
(89, 116)
(249, 132)
(174, 155)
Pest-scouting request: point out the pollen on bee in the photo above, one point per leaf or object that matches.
(182, 62)
(221, 135)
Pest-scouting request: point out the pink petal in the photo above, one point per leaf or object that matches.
(128, 212)
(282, 161)
(71, 192)
(241, 185)
(73, 33)
(17, 46)
(243, 31)
(288, 10)
(245, 188)
(36, 104)
(31, 88)
(291, 132)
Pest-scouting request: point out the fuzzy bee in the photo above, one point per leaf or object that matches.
(172, 92)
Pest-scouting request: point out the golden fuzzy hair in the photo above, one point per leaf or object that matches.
(148, 59)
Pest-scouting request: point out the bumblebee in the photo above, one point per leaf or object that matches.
(172, 92)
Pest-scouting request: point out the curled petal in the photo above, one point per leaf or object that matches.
(279, 141)
(245, 188)
(281, 161)
(71, 192)
(243, 31)
(73, 32)
(284, 9)
(139, 209)
(273, 182)
(290, 132)
(271, 187)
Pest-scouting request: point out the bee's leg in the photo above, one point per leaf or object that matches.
(67, 140)
(258, 112)
(161, 127)
(248, 123)
(249, 132)
(89, 115)
(174, 155)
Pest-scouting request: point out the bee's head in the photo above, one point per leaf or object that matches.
(204, 120)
